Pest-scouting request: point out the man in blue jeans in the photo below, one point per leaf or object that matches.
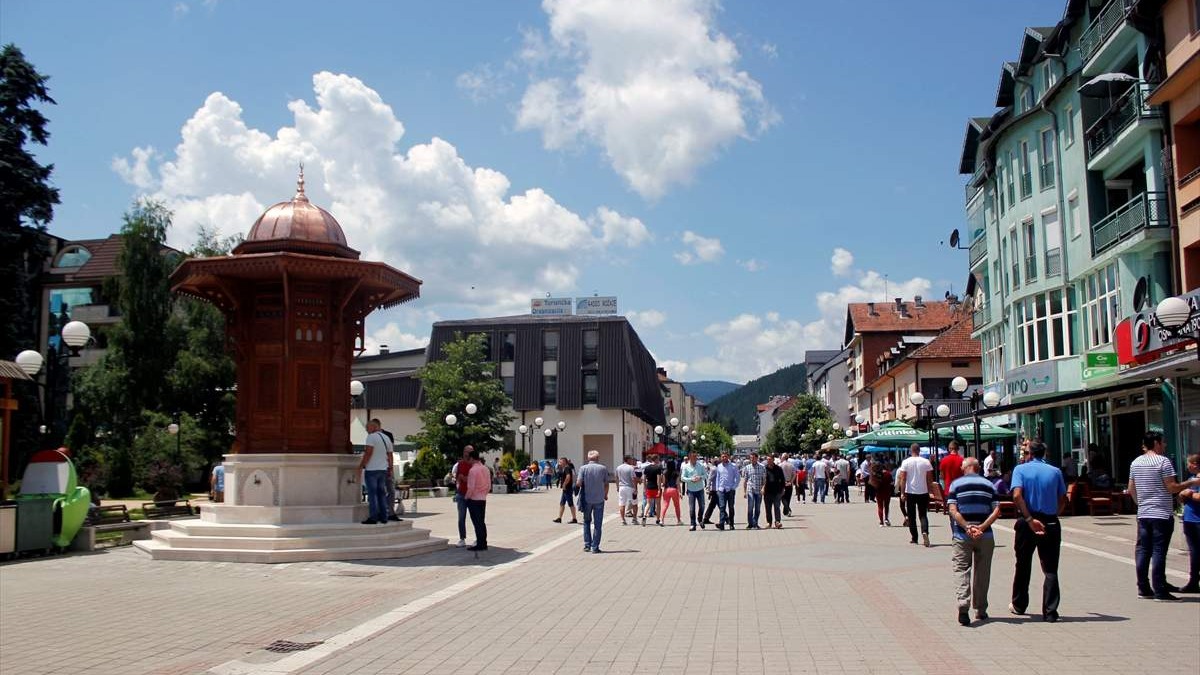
(593, 492)
(752, 475)
(726, 477)
(1152, 487)
(376, 466)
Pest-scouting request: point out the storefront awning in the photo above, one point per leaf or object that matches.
(1065, 398)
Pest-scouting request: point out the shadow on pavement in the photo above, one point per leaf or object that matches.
(450, 557)
(1091, 617)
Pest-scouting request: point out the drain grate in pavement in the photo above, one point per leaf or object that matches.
(286, 647)
(353, 573)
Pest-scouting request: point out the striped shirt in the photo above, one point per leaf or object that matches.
(975, 498)
(1147, 473)
(754, 474)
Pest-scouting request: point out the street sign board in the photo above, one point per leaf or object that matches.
(550, 306)
(596, 306)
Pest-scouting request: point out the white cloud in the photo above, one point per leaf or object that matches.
(753, 265)
(482, 83)
(650, 318)
(841, 262)
(654, 84)
(703, 249)
(751, 345)
(676, 370)
(770, 50)
(396, 339)
(181, 8)
(479, 246)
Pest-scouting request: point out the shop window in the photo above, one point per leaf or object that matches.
(549, 390)
(550, 345)
(591, 388)
(508, 385)
(591, 346)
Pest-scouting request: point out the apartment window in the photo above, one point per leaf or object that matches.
(1048, 75)
(1073, 215)
(1195, 16)
(1053, 242)
(1029, 237)
(507, 381)
(1027, 96)
(997, 268)
(550, 345)
(549, 390)
(1047, 169)
(591, 346)
(1000, 187)
(1012, 168)
(993, 355)
(1045, 326)
(1101, 295)
(486, 341)
(591, 388)
(1069, 127)
(508, 350)
(1026, 176)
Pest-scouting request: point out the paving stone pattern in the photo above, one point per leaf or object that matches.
(830, 593)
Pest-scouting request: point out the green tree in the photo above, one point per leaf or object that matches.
(712, 439)
(26, 204)
(802, 428)
(430, 464)
(448, 384)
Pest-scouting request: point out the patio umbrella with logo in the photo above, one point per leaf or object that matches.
(987, 432)
(894, 434)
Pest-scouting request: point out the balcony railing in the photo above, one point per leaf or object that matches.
(1105, 24)
(1030, 269)
(981, 317)
(1026, 185)
(1053, 262)
(1123, 112)
(978, 249)
(1147, 210)
(1046, 174)
(959, 407)
(1189, 177)
(972, 191)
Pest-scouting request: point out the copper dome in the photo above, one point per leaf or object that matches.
(297, 226)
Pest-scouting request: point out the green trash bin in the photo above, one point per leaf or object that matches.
(35, 523)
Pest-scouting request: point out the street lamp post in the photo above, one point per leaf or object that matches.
(173, 429)
(990, 399)
(76, 335)
(943, 411)
(552, 432)
(527, 433)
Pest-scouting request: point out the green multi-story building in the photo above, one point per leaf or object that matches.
(1066, 211)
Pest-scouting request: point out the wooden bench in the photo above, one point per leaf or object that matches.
(109, 519)
(937, 500)
(1100, 503)
(1008, 508)
(172, 509)
(405, 490)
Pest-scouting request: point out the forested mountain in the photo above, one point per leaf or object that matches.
(736, 410)
(707, 391)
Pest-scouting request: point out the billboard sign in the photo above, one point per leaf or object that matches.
(550, 306)
(596, 306)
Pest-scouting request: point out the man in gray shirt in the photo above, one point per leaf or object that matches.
(627, 480)
(593, 492)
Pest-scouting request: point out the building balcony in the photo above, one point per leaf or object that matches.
(1098, 37)
(1118, 127)
(1188, 177)
(978, 249)
(1026, 185)
(1031, 269)
(1046, 175)
(981, 317)
(1145, 211)
(1053, 262)
(959, 407)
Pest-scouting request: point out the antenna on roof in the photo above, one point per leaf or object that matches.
(885, 287)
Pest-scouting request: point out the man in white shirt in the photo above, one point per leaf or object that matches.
(842, 466)
(627, 480)
(377, 469)
(916, 479)
(819, 475)
(989, 463)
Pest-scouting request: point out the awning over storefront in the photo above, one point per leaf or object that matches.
(1057, 400)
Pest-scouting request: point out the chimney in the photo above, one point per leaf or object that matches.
(919, 302)
(383, 349)
(903, 310)
(871, 309)
(899, 305)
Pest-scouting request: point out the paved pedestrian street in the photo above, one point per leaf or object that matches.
(830, 593)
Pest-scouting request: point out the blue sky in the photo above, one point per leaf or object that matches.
(703, 162)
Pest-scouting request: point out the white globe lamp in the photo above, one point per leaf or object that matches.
(1171, 313)
(917, 398)
(76, 334)
(30, 362)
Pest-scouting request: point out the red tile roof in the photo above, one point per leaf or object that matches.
(103, 263)
(934, 315)
(953, 343)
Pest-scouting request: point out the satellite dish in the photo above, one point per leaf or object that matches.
(954, 238)
(1140, 293)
